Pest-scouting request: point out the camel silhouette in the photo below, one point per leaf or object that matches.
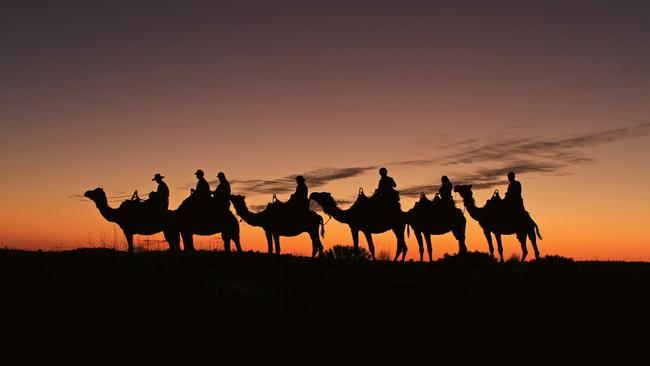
(494, 220)
(205, 217)
(428, 218)
(367, 217)
(282, 221)
(136, 218)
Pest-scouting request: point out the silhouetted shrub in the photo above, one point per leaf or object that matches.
(514, 258)
(469, 258)
(346, 252)
(555, 259)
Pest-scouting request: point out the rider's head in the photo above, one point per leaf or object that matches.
(445, 179)
(158, 177)
(511, 176)
(300, 179)
(383, 172)
(221, 176)
(199, 173)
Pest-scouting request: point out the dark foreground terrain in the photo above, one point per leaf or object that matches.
(94, 291)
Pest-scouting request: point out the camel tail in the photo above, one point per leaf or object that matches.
(322, 228)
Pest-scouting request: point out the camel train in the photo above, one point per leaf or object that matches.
(207, 212)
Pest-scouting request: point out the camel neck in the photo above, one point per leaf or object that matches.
(251, 218)
(109, 213)
(338, 214)
(473, 211)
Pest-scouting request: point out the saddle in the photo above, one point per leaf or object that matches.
(434, 206)
(494, 202)
(505, 206)
(377, 202)
(291, 207)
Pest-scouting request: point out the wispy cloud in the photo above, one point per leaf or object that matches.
(315, 178)
(527, 155)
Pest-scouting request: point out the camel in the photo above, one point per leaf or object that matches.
(282, 221)
(429, 218)
(368, 218)
(135, 218)
(492, 221)
(206, 218)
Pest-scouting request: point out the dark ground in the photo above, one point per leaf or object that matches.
(94, 292)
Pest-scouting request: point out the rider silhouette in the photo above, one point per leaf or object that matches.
(445, 192)
(161, 195)
(300, 197)
(223, 188)
(222, 193)
(513, 197)
(202, 190)
(386, 186)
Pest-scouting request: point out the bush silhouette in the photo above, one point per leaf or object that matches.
(470, 258)
(346, 252)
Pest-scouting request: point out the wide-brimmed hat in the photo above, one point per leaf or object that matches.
(158, 176)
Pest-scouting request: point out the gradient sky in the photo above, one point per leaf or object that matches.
(108, 94)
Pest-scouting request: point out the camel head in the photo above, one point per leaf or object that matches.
(239, 202)
(96, 195)
(465, 190)
(324, 199)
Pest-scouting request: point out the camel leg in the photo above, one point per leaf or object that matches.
(129, 241)
(499, 245)
(188, 242)
(533, 241)
(371, 245)
(276, 239)
(235, 236)
(427, 237)
(237, 242)
(524, 250)
(488, 237)
(269, 241)
(316, 246)
(418, 236)
(173, 239)
(459, 234)
(355, 241)
(226, 242)
(401, 242)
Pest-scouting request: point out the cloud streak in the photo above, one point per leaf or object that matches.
(527, 155)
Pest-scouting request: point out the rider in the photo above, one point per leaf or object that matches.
(445, 192)
(202, 190)
(162, 193)
(300, 197)
(222, 193)
(386, 186)
(513, 197)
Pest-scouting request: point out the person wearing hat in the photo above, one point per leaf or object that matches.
(300, 198)
(222, 193)
(386, 186)
(162, 193)
(202, 190)
(513, 198)
(445, 192)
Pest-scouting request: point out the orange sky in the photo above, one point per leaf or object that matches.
(108, 97)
